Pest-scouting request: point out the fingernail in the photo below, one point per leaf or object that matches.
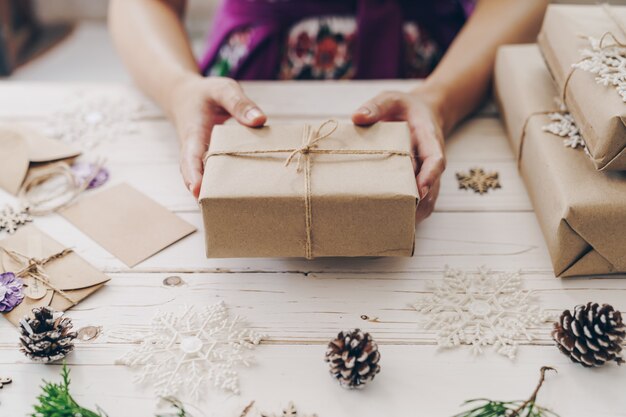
(364, 111)
(424, 192)
(253, 114)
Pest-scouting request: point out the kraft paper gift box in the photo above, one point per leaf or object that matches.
(599, 110)
(360, 199)
(581, 211)
(69, 278)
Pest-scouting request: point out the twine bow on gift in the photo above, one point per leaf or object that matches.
(310, 140)
(34, 268)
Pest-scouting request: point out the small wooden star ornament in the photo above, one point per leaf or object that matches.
(290, 411)
(478, 180)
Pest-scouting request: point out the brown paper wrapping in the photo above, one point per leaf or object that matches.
(71, 274)
(361, 205)
(581, 211)
(599, 111)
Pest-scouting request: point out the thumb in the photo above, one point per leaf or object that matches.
(232, 98)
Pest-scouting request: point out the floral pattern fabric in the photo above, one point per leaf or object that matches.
(323, 48)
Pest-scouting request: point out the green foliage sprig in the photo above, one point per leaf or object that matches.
(56, 400)
(528, 408)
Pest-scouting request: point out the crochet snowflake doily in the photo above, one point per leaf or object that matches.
(479, 309)
(607, 62)
(89, 120)
(183, 352)
(11, 219)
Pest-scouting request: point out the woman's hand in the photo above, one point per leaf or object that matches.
(426, 126)
(196, 105)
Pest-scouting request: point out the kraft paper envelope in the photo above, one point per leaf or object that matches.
(361, 205)
(598, 110)
(20, 147)
(71, 274)
(127, 223)
(581, 211)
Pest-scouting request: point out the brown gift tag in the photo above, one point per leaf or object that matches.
(71, 274)
(598, 110)
(361, 204)
(581, 211)
(20, 147)
(127, 223)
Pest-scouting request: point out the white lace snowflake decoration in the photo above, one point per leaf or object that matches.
(90, 120)
(564, 125)
(184, 352)
(607, 61)
(481, 309)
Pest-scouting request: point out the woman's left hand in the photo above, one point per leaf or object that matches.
(426, 129)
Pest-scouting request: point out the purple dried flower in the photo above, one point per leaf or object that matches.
(84, 170)
(10, 292)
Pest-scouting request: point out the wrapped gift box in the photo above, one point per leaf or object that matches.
(361, 191)
(581, 211)
(599, 110)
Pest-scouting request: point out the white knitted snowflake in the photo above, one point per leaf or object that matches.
(563, 124)
(607, 60)
(480, 309)
(89, 120)
(185, 351)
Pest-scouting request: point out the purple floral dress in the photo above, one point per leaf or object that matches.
(263, 39)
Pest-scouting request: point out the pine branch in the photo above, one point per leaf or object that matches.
(56, 400)
(527, 408)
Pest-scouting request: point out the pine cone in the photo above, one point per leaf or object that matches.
(45, 338)
(592, 335)
(353, 358)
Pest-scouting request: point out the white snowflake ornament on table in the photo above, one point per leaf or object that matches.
(88, 121)
(481, 309)
(184, 352)
(11, 219)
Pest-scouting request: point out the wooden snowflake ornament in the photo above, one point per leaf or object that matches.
(290, 411)
(11, 219)
(478, 180)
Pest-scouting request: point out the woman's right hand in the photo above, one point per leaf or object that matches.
(196, 105)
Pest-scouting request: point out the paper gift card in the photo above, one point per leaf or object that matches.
(127, 223)
(71, 279)
(20, 146)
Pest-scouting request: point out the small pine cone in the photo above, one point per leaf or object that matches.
(45, 338)
(353, 358)
(592, 335)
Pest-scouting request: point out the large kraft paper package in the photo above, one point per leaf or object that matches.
(598, 110)
(582, 212)
(253, 205)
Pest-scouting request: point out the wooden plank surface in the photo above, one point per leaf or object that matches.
(301, 304)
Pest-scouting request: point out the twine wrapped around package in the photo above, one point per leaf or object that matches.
(34, 269)
(303, 155)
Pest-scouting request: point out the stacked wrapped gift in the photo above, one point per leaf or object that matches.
(581, 210)
(585, 50)
(306, 191)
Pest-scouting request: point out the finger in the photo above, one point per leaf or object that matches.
(231, 97)
(384, 106)
(427, 205)
(429, 153)
(191, 164)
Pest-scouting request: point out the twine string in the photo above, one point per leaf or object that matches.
(34, 268)
(606, 35)
(310, 139)
(71, 187)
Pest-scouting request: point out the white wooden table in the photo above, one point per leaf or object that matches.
(301, 304)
